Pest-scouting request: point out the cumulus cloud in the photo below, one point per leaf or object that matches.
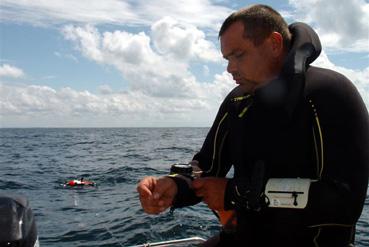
(121, 12)
(31, 103)
(156, 64)
(87, 39)
(162, 90)
(342, 25)
(182, 41)
(33, 99)
(7, 70)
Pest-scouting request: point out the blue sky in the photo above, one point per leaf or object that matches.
(125, 63)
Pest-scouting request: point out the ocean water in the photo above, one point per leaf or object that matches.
(35, 162)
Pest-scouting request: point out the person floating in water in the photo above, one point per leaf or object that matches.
(81, 182)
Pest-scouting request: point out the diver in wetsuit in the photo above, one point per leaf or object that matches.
(296, 135)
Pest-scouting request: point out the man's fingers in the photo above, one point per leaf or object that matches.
(144, 192)
(155, 208)
(164, 188)
(152, 206)
(156, 194)
(146, 186)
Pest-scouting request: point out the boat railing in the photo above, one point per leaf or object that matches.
(175, 242)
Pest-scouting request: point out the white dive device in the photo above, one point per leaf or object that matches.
(287, 192)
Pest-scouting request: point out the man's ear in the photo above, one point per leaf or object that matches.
(276, 42)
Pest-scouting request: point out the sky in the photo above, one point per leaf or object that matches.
(145, 63)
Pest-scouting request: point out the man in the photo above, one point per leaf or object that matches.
(296, 135)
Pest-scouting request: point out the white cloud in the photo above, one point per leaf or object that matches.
(87, 39)
(182, 41)
(201, 13)
(68, 56)
(160, 72)
(7, 70)
(34, 100)
(162, 90)
(140, 12)
(29, 105)
(341, 25)
(44, 13)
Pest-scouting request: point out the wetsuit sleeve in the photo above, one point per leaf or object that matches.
(185, 195)
(338, 197)
(210, 150)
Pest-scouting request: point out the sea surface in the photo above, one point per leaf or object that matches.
(35, 162)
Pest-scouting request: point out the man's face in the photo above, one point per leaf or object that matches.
(250, 65)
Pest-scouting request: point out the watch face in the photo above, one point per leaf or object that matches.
(182, 166)
(183, 169)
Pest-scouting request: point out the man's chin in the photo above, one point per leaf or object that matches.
(248, 86)
(245, 87)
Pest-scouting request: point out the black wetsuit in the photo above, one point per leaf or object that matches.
(323, 134)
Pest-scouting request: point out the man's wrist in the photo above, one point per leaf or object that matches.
(185, 194)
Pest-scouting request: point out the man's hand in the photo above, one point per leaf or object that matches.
(211, 190)
(156, 194)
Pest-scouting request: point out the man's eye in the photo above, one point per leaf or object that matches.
(239, 55)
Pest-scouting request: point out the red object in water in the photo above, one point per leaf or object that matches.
(80, 183)
(71, 183)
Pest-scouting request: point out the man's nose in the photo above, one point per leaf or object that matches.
(231, 67)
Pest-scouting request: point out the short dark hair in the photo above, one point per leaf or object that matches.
(260, 20)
